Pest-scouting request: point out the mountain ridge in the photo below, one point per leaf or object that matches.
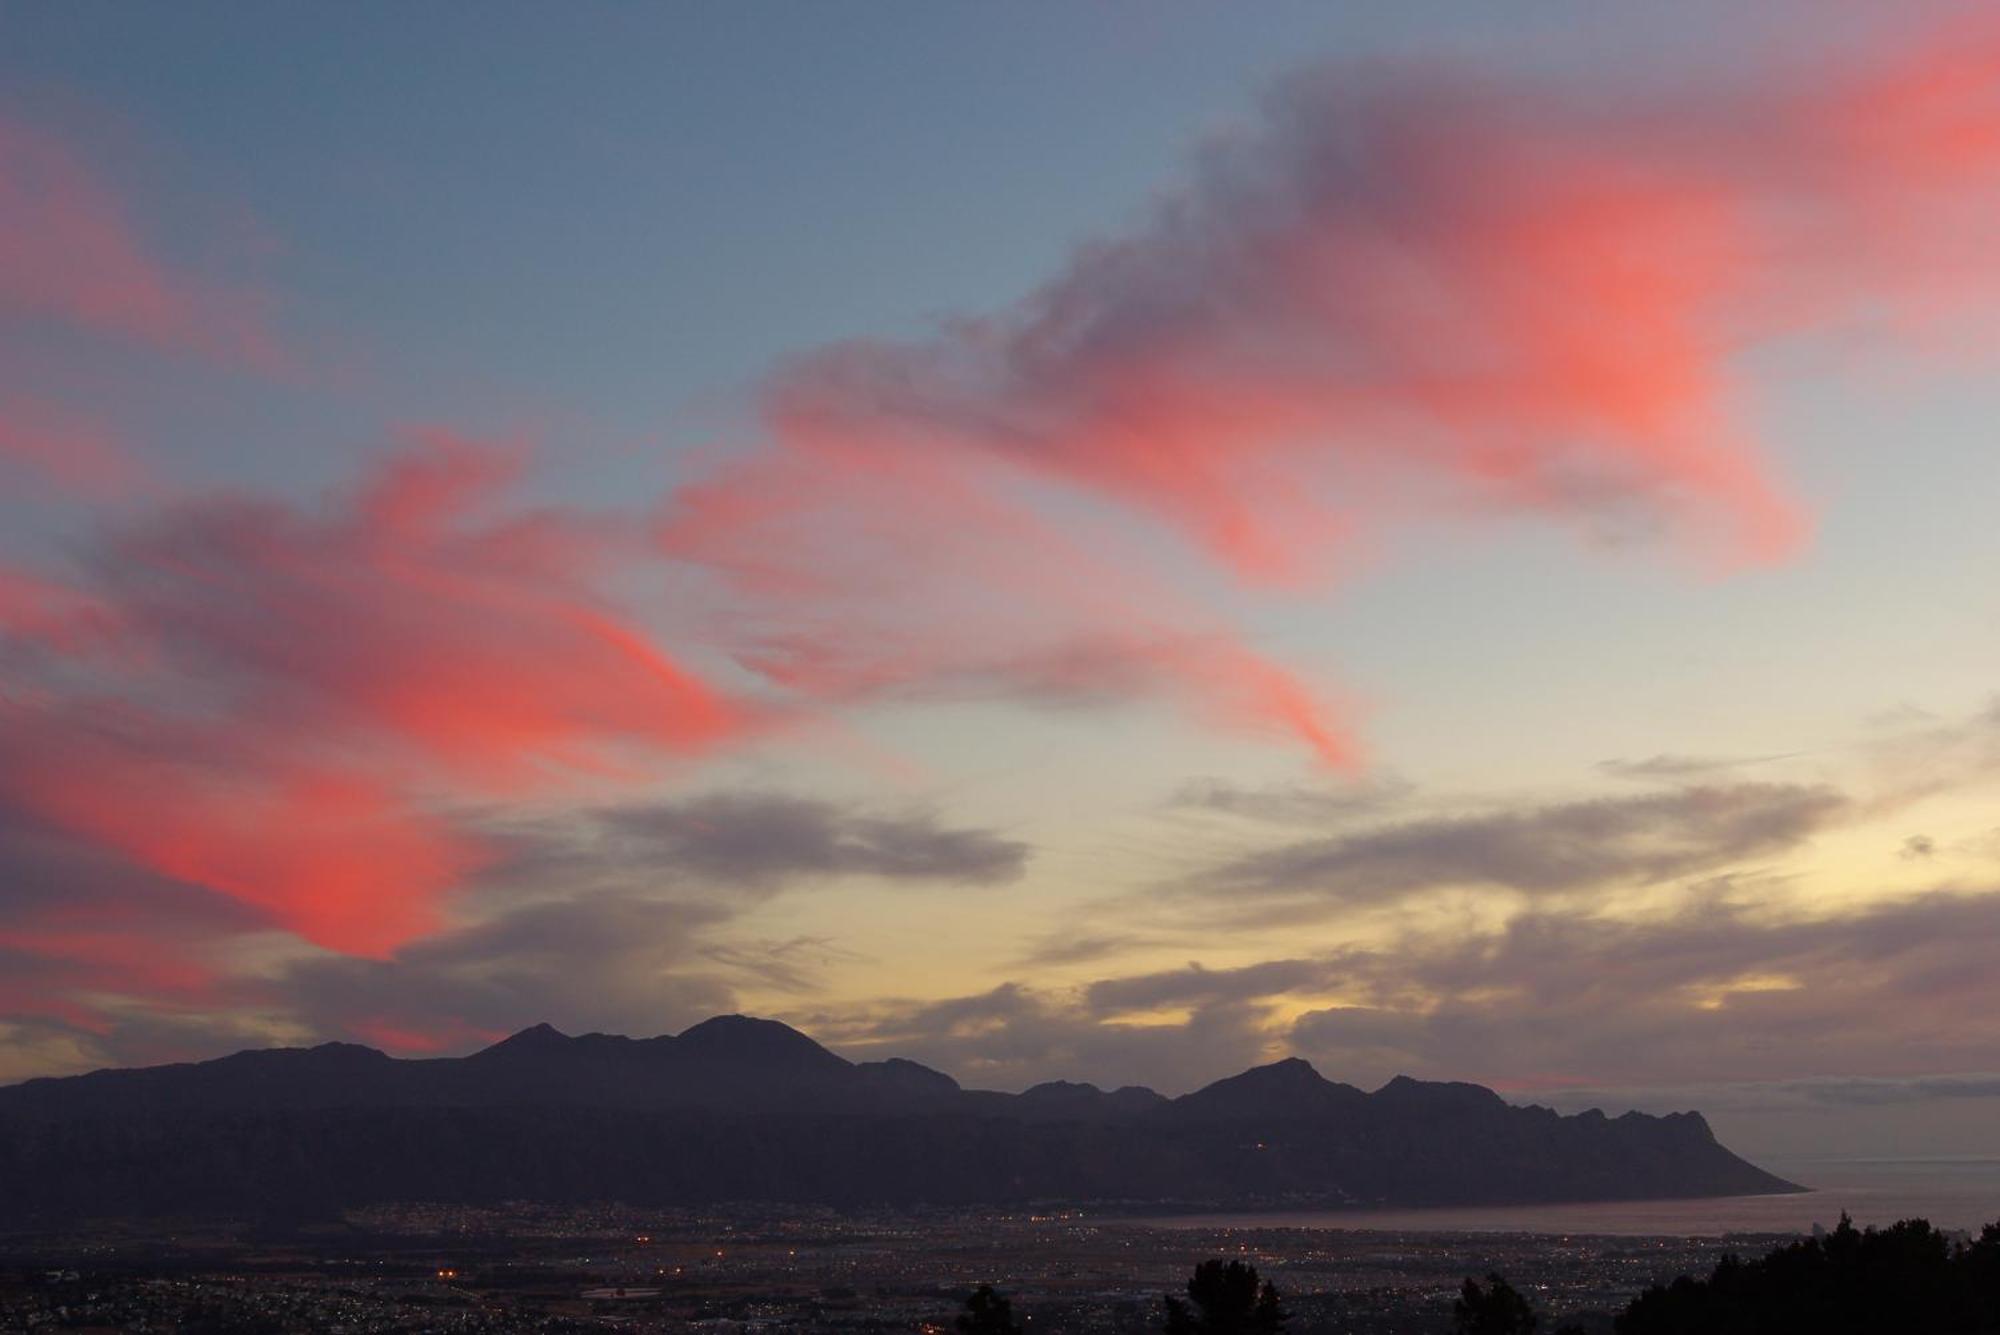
(740, 1108)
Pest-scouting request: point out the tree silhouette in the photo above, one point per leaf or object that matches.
(1497, 1309)
(1907, 1277)
(1225, 1298)
(987, 1313)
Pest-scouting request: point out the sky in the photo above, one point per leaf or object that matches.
(1112, 542)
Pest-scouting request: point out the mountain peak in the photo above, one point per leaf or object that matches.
(1056, 1089)
(908, 1077)
(1287, 1088)
(1410, 1092)
(1289, 1073)
(543, 1037)
(745, 1037)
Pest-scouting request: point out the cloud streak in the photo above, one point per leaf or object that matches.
(1541, 851)
(761, 838)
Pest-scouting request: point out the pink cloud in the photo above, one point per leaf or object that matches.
(470, 642)
(345, 860)
(71, 253)
(847, 574)
(272, 701)
(75, 456)
(1438, 292)
(1399, 299)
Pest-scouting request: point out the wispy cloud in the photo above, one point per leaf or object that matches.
(1668, 768)
(1295, 803)
(72, 252)
(759, 838)
(1539, 850)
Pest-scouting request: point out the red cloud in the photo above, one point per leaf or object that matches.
(70, 253)
(1409, 290)
(296, 689)
(850, 573)
(466, 644)
(345, 860)
(1399, 298)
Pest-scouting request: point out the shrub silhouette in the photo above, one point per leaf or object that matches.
(987, 1313)
(1497, 1309)
(1225, 1298)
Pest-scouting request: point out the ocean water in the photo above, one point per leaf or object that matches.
(1953, 1193)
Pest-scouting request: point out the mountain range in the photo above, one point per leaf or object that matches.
(741, 1109)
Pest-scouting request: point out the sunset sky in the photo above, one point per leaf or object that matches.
(1115, 541)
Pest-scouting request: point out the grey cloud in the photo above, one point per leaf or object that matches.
(1551, 849)
(46, 1045)
(632, 943)
(43, 870)
(785, 966)
(1678, 768)
(610, 919)
(1919, 754)
(1014, 1036)
(1293, 804)
(758, 839)
(602, 962)
(1719, 993)
(1196, 984)
(1716, 992)
(735, 844)
(1060, 948)
(34, 1046)
(1922, 1089)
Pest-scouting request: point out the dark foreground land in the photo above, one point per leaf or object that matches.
(774, 1269)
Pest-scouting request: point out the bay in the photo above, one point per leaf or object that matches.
(1955, 1193)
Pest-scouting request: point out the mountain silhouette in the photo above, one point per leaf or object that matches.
(1289, 1090)
(738, 1108)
